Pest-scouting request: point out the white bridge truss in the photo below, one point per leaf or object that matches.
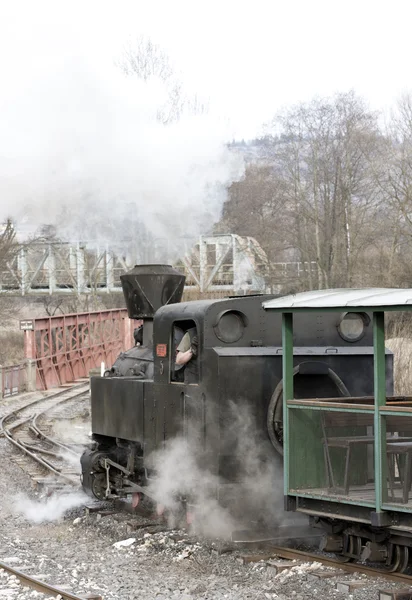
(227, 263)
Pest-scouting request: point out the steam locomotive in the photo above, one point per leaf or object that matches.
(230, 416)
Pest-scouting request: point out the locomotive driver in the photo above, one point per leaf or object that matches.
(186, 356)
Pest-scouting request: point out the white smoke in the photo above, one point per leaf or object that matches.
(48, 509)
(82, 148)
(181, 472)
(246, 274)
(179, 475)
(72, 431)
(75, 434)
(71, 458)
(260, 467)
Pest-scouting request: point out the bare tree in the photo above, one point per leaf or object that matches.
(147, 61)
(8, 245)
(325, 156)
(9, 249)
(52, 305)
(315, 199)
(257, 206)
(394, 177)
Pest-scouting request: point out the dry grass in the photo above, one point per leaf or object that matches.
(402, 364)
(11, 347)
(399, 341)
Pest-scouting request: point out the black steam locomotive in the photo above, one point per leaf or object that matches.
(229, 411)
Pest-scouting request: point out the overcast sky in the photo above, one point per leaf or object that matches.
(249, 57)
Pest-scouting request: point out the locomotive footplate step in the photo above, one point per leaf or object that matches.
(290, 536)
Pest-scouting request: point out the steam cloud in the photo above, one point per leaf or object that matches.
(259, 490)
(82, 148)
(48, 509)
(52, 508)
(73, 431)
(178, 474)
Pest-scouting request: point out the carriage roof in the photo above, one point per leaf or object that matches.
(377, 299)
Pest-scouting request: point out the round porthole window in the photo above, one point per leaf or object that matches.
(230, 326)
(352, 326)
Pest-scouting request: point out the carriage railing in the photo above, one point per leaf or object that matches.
(332, 448)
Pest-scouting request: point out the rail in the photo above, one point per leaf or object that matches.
(303, 555)
(19, 419)
(39, 586)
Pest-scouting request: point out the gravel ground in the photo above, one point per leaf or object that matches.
(85, 554)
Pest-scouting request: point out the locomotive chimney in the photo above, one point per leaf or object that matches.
(148, 287)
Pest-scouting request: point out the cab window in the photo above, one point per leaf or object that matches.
(184, 366)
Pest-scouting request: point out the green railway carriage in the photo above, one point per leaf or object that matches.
(348, 459)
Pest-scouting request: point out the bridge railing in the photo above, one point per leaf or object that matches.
(61, 349)
(13, 380)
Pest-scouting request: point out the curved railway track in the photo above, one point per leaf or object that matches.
(28, 428)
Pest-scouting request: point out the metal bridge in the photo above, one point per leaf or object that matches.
(229, 263)
(63, 348)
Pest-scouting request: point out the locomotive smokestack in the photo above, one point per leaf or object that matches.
(148, 287)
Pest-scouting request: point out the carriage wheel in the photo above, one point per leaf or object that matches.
(354, 549)
(404, 563)
(399, 559)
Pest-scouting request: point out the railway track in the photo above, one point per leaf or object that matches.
(289, 554)
(276, 552)
(29, 428)
(40, 586)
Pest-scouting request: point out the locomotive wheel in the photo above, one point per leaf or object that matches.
(136, 499)
(99, 486)
(274, 420)
(275, 417)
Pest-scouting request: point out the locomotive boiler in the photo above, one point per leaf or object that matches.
(230, 407)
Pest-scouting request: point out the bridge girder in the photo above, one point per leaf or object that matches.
(225, 263)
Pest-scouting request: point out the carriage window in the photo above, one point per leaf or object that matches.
(184, 367)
